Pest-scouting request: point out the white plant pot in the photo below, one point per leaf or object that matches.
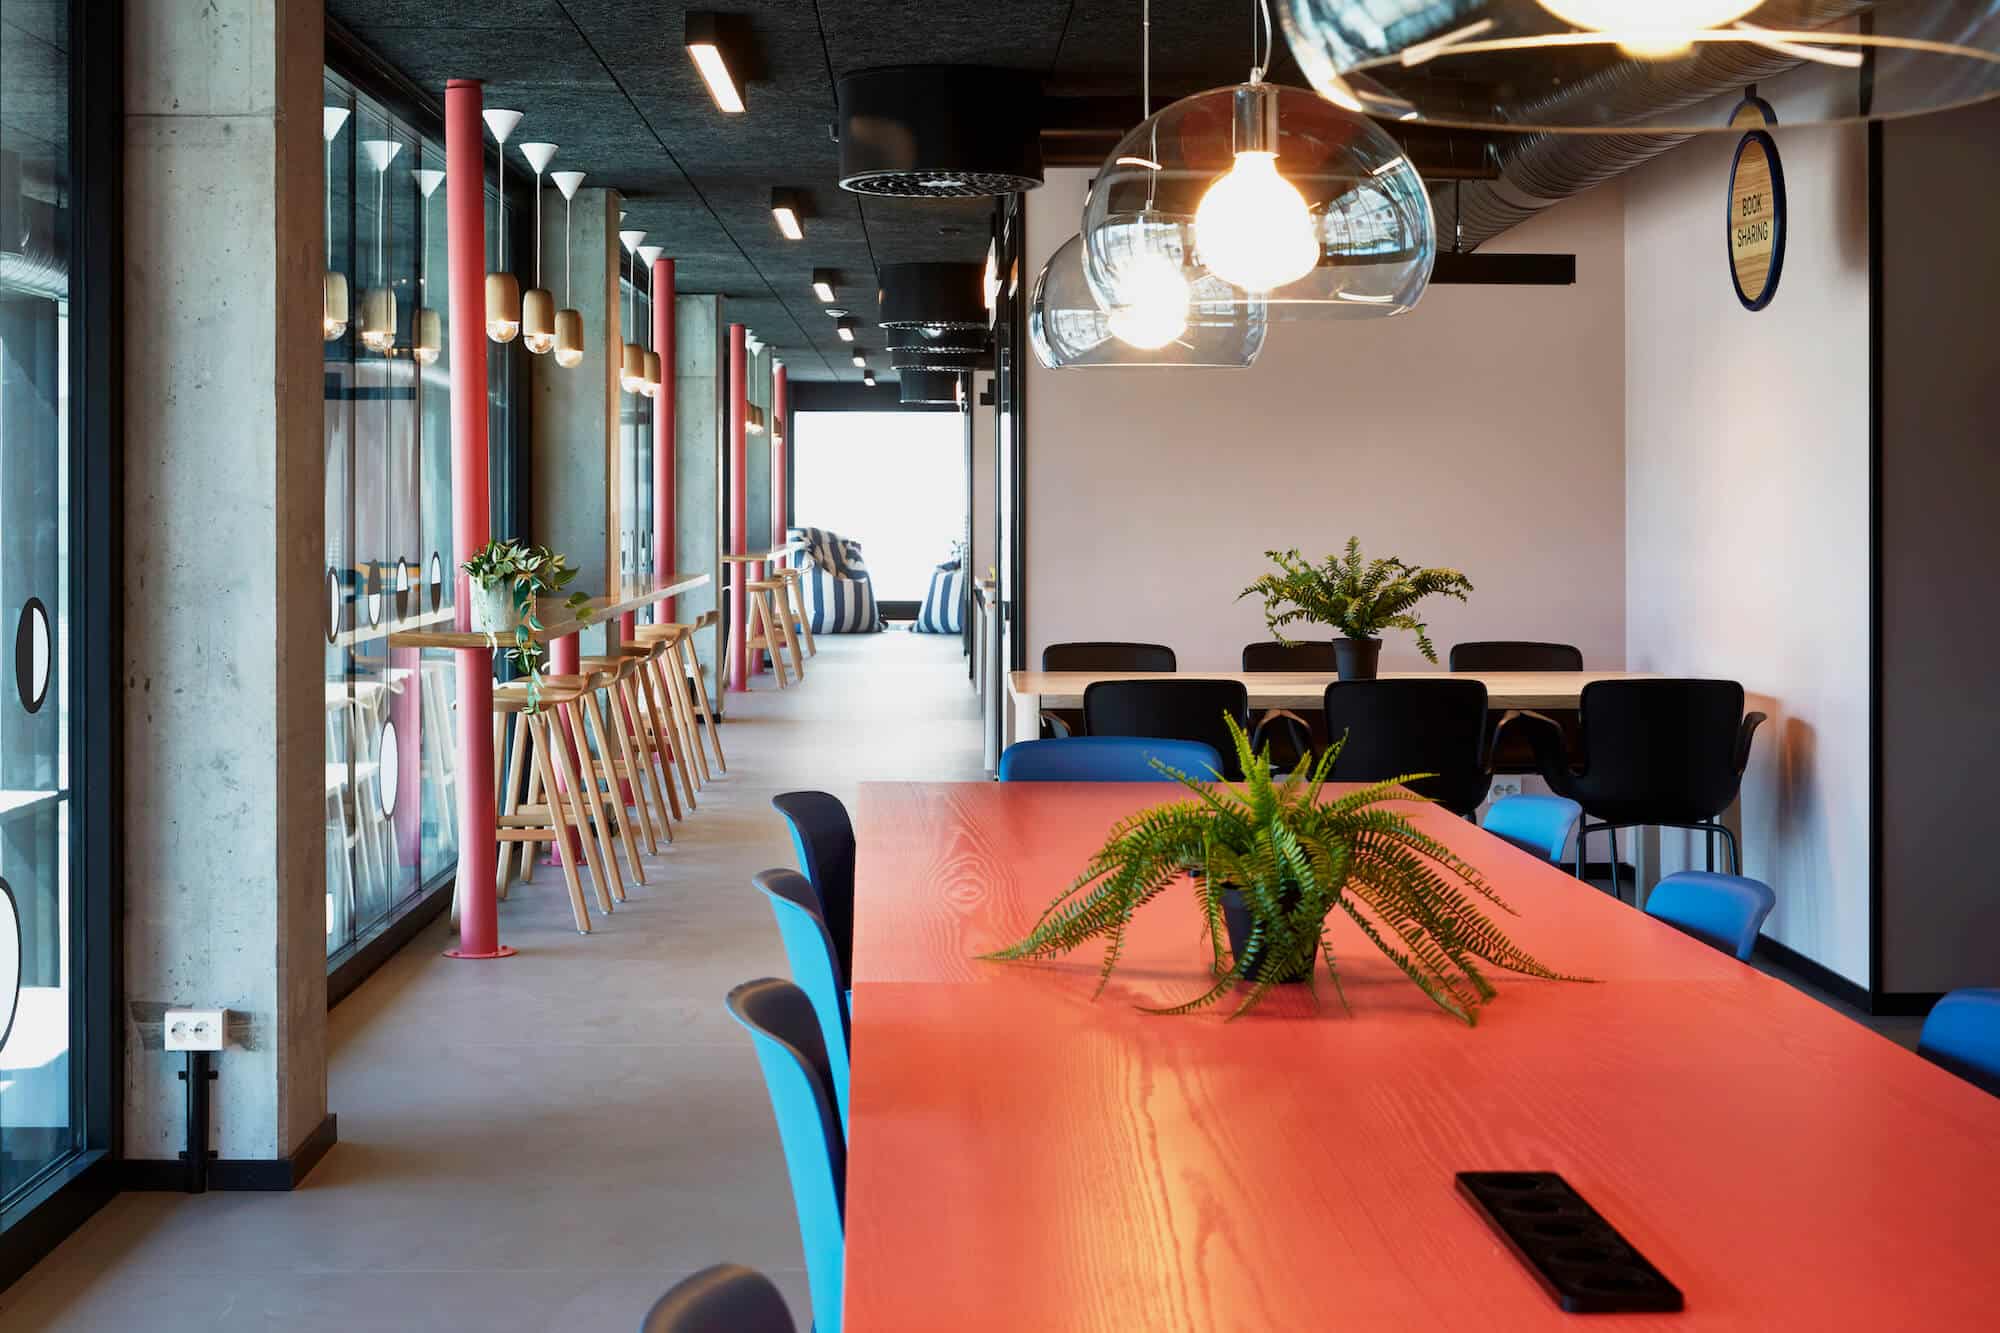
(492, 608)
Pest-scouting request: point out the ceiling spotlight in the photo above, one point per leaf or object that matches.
(835, 311)
(845, 327)
(708, 42)
(860, 359)
(789, 213)
(823, 284)
(868, 378)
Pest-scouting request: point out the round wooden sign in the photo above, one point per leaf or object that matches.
(1756, 219)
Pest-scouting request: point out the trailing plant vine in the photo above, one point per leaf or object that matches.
(529, 573)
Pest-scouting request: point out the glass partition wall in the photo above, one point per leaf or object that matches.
(390, 769)
(635, 452)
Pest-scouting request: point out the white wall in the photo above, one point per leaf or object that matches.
(1483, 430)
(1746, 442)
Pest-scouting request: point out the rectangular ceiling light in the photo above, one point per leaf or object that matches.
(707, 44)
(860, 359)
(868, 378)
(845, 327)
(823, 284)
(789, 215)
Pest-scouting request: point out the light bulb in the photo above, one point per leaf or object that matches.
(503, 307)
(1253, 229)
(1649, 29)
(538, 321)
(1154, 310)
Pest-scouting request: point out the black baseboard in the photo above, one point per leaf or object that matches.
(359, 960)
(1820, 975)
(1903, 1003)
(224, 1173)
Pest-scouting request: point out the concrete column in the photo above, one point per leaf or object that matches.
(739, 505)
(665, 423)
(698, 423)
(225, 616)
(575, 487)
(781, 444)
(757, 475)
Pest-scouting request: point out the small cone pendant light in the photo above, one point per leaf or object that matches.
(503, 290)
(378, 303)
(647, 254)
(632, 364)
(569, 321)
(333, 307)
(427, 334)
(538, 307)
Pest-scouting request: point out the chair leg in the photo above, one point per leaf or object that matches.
(613, 758)
(545, 775)
(1617, 880)
(638, 769)
(673, 764)
(702, 702)
(599, 859)
(514, 772)
(1735, 848)
(1582, 838)
(670, 675)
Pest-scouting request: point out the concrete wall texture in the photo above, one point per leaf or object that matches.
(225, 866)
(698, 341)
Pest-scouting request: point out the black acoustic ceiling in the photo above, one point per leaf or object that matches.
(610, 83)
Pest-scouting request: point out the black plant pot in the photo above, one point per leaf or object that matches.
(1236, 921)
(1356, 659)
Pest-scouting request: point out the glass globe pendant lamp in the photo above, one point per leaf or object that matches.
(1069, 329)
(333, 303)
(650, 381)
(378, 303)
(1645, 66)
(632, 359)
(569, 320)
(503, 289)
(538, 307)
(427, 334)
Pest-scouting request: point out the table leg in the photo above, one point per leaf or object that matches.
(479, 913)
(1027, 716)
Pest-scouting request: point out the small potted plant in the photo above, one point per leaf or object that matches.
(507, 579)
(1269, 863)
(1358, 599)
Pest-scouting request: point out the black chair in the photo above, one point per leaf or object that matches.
(1656, 754)
(1508, 749)
(1108, 656)
(1291, 734)
(1098, 655)
(1395, 727)
(727, 1298)
(1180, 709)
(1515, 655)
(823, 836)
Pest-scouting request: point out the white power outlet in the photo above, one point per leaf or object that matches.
(197, 1029)
(1504, 786)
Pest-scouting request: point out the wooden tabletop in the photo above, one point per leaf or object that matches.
(761, 557)
(558, 621)
(1023, 1157)
(1307, 689)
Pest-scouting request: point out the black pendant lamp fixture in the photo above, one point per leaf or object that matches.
(933, 296)
(940, 131)
(929, 388)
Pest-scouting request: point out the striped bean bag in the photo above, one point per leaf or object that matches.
(840, 599)
(943, 611)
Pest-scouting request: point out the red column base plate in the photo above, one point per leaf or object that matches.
(504, 951)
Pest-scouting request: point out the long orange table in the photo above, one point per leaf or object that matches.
(1022, 1157)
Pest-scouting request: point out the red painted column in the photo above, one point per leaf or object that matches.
(666, 429)
(739, 507)
(781, 445)
(471, 517)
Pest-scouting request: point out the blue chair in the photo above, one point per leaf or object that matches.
(1962, 1033)
(782, 1024)
(1538, 824)
(727, 1298)
(1724, 911)
(824, 837)
(1105, 759)
(815, 969)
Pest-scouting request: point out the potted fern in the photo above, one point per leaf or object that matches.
(1358, 599)
(1269, 863)
(508, 578)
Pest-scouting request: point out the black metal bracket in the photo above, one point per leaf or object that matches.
(198, 1075)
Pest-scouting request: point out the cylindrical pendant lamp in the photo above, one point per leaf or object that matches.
(632, 361)
(333, 303)
(569, 320)
(538, 307)
(503, 289)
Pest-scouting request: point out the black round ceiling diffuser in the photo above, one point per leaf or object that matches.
(938, 340)
(933, 296)
(926, 358)
(940, 131)
(929, 388)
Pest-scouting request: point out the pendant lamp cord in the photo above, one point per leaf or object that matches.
(1146, 60)
(569, 269)
(381, 186)
(538, 226)
(1261, 38)
(502, 259)
(329, 203)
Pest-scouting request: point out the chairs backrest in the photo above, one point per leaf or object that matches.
(815, 967)
(1180, 709)
(785, 1030)
(1538, 824)
(1662, 751)
(1395, 727)
(1724, 911)
(1108, 656)
(1314, 655)
(727, 1298)
(823, 835)
(1105, 759)
(1962, 1033)
(1515, 655)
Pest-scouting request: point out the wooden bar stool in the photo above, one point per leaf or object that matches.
(659, 647)
(661, 715)
(628, 768)
(542, 799)
(769, 634)
(793, 605)
(706, 620)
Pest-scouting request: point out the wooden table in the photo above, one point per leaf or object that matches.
(1035, 690)
(1025, 1158)
(558, 621)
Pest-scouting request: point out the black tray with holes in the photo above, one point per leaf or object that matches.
(1579, 1258)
